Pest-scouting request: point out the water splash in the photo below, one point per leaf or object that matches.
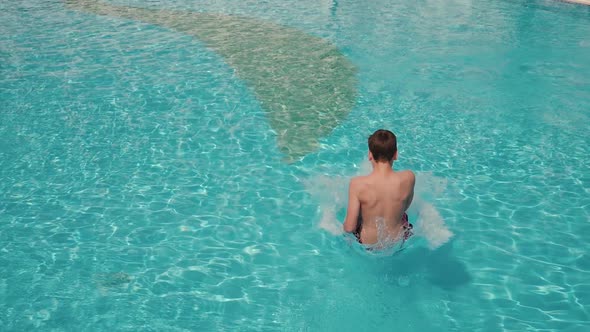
(429, 222)
(331, 193)
(431, 225)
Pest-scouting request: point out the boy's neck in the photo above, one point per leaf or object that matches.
(382, 167)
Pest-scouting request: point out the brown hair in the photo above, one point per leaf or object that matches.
(383, 145)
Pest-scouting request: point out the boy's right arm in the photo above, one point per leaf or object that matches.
(353, 210)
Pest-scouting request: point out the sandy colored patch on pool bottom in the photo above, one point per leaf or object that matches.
(305, 85)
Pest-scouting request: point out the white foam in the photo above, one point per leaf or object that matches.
(331, 192)
(329, 222)
(431, 225)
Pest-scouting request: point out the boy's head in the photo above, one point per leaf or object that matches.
(383, 146)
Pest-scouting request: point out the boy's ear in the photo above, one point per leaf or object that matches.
(395, 156)
(370, 156)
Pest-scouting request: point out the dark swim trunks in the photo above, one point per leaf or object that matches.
(408, 227)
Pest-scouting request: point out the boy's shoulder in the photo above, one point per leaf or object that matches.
(358, 180)
(407, 173)
(407, 176)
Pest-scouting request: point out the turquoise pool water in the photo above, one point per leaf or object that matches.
(144, 188)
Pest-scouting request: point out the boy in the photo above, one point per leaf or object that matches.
(377, 202)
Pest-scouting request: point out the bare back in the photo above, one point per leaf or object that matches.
(384, 198)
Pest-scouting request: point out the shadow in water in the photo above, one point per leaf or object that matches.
(440, 266)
